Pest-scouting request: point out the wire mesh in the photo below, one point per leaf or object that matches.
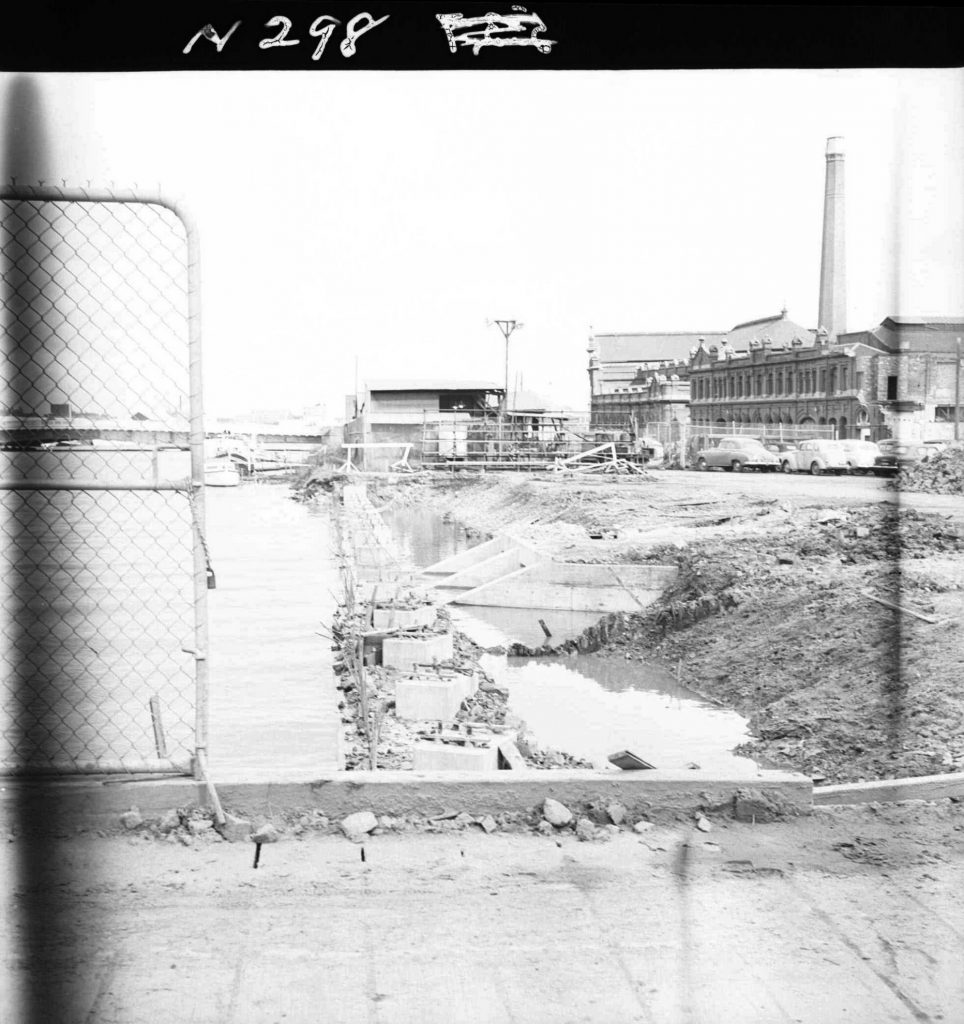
(98, 529)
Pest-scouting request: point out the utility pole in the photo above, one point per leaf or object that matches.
(507, 327)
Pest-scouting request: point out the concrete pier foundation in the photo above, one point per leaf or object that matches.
(405, 652)
(450, 757)
(432, 698)
(404, 618)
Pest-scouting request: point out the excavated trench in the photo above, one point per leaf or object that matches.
(590, 705)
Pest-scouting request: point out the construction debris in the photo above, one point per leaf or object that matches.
(941, 473)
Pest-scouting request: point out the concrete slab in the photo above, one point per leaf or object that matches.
(450, 757)
(488, 569)
(925, 787)
(404, 652)
(471, 556)
(574, 587)
(430, 699)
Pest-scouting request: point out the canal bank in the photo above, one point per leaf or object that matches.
(824, 611)
(567, 712)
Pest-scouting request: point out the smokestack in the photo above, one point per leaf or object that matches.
(833, 293)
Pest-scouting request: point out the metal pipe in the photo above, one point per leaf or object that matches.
(162, 766)
(201, 772)
(93, 485)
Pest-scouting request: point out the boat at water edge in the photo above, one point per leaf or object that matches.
(221, 473)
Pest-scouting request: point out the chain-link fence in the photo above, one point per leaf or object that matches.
(102, 501)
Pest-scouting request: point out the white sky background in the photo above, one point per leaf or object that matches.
(389, 214)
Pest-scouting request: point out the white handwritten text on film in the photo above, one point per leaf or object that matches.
(322, 29)
(517, 29)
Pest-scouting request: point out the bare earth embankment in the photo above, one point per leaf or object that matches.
(771, 614)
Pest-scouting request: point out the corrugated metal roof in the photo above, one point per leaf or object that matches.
(937, 334)
(421, 384)
(778, 329)
(926, 321)
(651, 346)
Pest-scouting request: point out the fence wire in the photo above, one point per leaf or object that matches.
(98, 530)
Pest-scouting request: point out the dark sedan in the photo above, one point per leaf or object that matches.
(895, 455)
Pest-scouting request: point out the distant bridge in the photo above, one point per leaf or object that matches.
(33, 431)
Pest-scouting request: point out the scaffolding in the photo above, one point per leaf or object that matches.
(514, 441)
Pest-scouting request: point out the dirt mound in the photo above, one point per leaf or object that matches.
(942, 473)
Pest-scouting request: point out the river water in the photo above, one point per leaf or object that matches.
(274, 708)
(98, 600)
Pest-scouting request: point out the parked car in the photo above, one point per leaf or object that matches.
(779, 447)
(894, 454)
(861, 455)
(737, 454)
(816, 457)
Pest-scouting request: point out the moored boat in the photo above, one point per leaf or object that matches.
(221, 473)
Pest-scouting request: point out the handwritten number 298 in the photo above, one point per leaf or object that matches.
(322, 29)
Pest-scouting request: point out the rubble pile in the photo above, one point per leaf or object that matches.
(942, 473)
(803, 634)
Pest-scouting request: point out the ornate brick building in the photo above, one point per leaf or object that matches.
(899, 379)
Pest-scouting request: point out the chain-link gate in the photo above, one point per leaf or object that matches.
(104, 574)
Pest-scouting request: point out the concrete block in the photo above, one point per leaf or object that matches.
(449, 757)
(433, 699)
(403, 652)
(405, 618)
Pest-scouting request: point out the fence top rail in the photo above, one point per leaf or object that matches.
(55, 194)
(96, 485)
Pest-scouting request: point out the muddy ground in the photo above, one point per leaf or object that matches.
(853, 914)
(771, 614)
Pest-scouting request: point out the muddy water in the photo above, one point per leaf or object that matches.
(590, 706)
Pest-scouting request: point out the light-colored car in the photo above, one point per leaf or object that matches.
(861, 455)
(737, 454)
(816, 457)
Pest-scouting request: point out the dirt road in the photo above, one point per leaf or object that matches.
(771, 615)
(855, 915)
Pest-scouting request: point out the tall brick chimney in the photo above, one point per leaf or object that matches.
(833, 290)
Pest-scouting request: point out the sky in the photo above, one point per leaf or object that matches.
(385, 219)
